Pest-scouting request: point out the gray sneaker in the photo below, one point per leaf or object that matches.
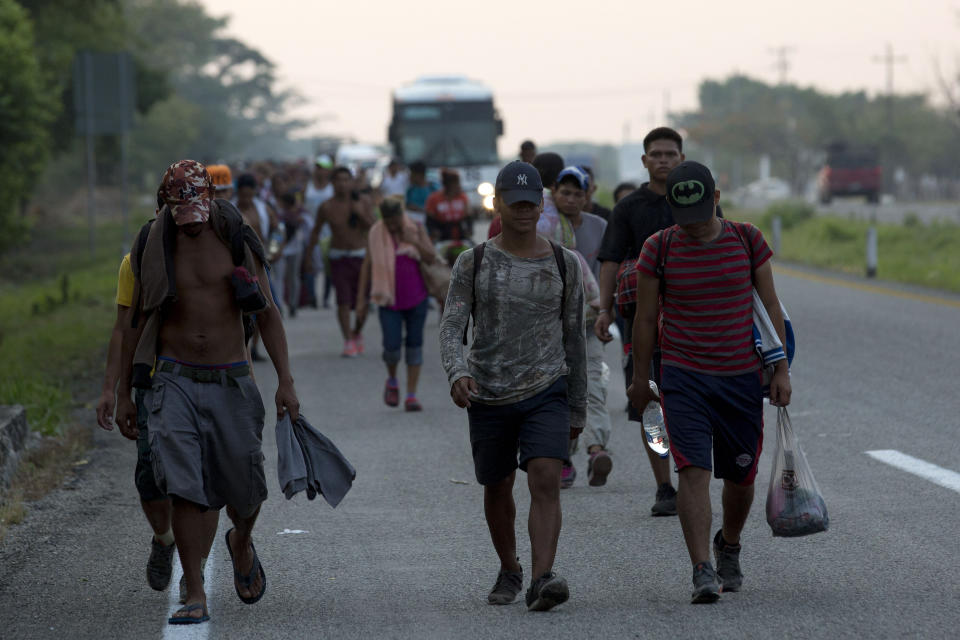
(728, 563)
(706, 589)
(666, 504)
(546, 592)
(160, 564)
(507, 587)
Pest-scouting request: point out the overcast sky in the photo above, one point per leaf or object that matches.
(582, 70)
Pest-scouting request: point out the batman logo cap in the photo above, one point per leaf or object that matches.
(690, 190)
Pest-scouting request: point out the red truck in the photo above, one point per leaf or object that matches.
(850, 172)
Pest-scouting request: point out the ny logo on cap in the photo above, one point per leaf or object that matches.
(188, 193)
(522, 179)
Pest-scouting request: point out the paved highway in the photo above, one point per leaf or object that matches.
(407, 554)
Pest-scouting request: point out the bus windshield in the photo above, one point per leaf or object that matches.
(446, 133)
(448, 144)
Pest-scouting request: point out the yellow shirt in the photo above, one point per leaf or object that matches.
(125, 283)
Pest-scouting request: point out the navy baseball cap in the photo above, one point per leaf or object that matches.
(581, 176)
(690, 190)
(519, 182)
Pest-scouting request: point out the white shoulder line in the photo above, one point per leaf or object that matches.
(189, 631)
(926, 470)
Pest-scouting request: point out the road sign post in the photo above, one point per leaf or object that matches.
(777, 230)
(104, 97)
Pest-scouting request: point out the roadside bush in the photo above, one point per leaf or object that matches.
(836, 231)
(790, 212)
(27, 107)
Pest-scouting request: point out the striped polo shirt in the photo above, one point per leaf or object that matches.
(707, 312)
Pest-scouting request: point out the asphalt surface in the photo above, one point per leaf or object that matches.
(407, 553)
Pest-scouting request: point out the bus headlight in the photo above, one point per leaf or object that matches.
(488, 202)
(485, 189)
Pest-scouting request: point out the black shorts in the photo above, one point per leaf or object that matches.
(143, 476)
(538, 427)
(719, 415)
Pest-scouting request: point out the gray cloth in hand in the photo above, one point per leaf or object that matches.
(308, 461)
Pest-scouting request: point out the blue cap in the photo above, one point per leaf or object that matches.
(582, 178)
(519, 182)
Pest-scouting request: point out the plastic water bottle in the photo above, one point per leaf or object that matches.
(277, 236)
(654, 427)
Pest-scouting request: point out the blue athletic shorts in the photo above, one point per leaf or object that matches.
(722, 415)
(538, 427)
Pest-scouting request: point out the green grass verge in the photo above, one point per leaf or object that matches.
(927, 255)
(56, 310)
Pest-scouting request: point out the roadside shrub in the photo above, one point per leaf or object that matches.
(790, 212)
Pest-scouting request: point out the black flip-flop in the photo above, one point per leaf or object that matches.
(248, 579)
(190, 619)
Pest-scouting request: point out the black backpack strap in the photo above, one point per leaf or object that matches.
(239, 233)
(666, 237)
(477, 259)
(562, 268)
(748, 247)
(136, 258)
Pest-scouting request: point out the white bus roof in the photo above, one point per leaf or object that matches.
(439, 88)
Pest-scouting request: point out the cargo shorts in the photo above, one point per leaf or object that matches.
(206, 438)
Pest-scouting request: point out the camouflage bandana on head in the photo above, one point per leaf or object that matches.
(188, 190)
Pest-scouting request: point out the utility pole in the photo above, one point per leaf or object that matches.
(782, 63)
(890, 61)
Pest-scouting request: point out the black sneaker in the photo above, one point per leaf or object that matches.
(598, 468)
(546, 592)
(706, 589)
(728, 563)
(666, 504)
(507, 587)
(160, 564)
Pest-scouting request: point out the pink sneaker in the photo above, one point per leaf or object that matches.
(391, 393)
(349, 349)
(567, 476)
(358, 341)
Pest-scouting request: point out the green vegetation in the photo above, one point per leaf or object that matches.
(911, 253)
(55, 320)
(27, 107)
(739, 119)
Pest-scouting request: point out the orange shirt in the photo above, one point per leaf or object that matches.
(446, 209)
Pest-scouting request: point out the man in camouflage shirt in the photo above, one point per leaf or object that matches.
(523, 380)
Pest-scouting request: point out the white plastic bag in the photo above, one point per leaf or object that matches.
(795, 506)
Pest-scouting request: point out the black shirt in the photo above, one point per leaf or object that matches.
(600, 210)
(635, 218)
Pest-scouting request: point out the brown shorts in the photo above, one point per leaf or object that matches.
(345, 273)
(206, 440)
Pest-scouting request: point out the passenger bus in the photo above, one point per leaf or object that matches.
(449, 122)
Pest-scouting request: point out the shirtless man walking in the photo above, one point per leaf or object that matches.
(350, 216)
(206, 415)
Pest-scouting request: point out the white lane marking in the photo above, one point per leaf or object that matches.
(287, 532)
(926, 470)
(189, 631)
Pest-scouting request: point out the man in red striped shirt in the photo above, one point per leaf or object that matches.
(697, 279)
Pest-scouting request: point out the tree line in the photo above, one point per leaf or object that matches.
(740, 119)
(199, 92)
